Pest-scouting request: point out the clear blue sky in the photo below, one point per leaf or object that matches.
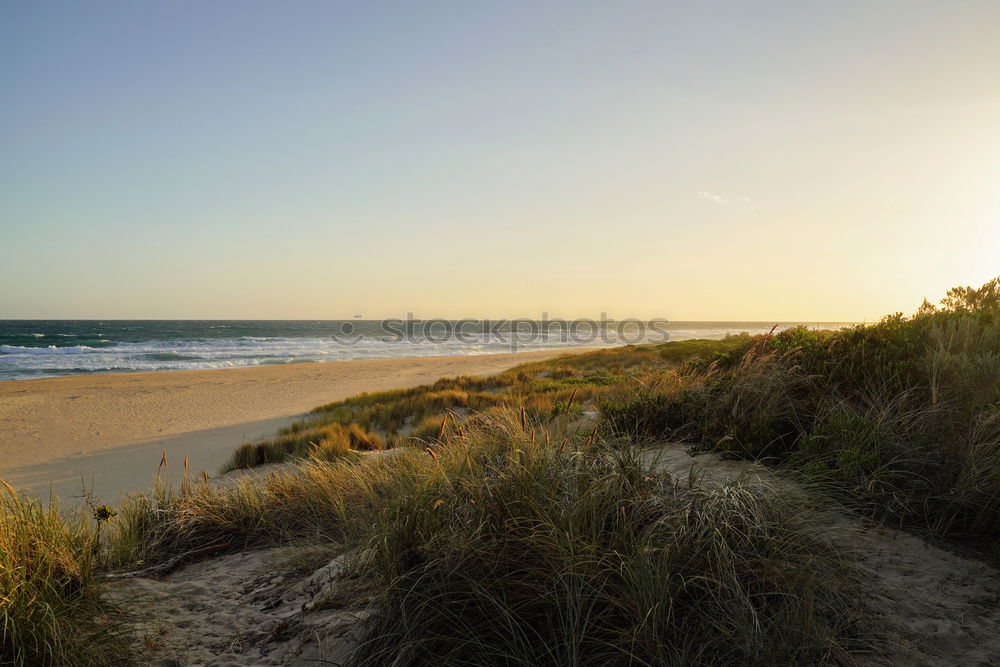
(789, 160)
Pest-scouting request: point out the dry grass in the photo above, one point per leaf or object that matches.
(51, 608)
(496, 535)
(509, 551)
(547, 390)
(902, 417)
(325, 442)
(503, 545)
(312, 501)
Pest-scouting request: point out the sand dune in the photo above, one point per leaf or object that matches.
(111, 429)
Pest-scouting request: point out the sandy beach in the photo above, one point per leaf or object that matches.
(107, 432)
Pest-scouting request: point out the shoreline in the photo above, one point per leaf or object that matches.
(110, 429)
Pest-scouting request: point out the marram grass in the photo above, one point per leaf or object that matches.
(901, 417)
(504, 550)
(502, 535)
(500, 545)
(546, 390)
(52, 611)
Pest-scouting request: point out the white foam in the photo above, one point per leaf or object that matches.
(20, 362)
(50, 350)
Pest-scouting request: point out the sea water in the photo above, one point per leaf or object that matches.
(45, 348)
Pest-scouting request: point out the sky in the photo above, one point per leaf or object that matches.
(706, 160)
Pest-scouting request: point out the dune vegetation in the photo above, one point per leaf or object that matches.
(52, 607)
(515, 519)
(499, 545)
(901, 418)
(546, 391)
(505, 550)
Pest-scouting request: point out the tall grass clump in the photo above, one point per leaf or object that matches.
(901, 415)
(326, 442)
(509, 551)
(51, 607)
(310, 500)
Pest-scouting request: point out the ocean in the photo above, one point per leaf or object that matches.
(46, 348)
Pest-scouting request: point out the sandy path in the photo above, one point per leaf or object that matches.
(253, 608)
(935, 608)
(111, 429)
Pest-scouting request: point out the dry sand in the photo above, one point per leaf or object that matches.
(110, 430)
(253, 608)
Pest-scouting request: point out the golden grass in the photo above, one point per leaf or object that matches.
(502, 544)
(51, 607)
(551, 390)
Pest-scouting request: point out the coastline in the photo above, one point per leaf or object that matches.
(108, 431)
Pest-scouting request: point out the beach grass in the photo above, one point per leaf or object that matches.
(546, 390)
(902, 417)
(52, 611)
(500, 544)
(327, 442)
(504, 550)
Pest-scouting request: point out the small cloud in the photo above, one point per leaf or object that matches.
(741, 200)
(708, 196)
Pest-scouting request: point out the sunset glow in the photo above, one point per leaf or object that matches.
(804, 162)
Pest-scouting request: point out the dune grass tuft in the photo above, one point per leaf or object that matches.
(51, 607)
(326, 442)
(505, 550)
